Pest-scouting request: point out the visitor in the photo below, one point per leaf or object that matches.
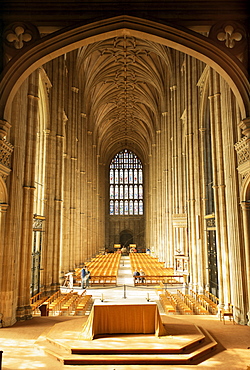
(142, 279)
(85, 276)
(135, 275)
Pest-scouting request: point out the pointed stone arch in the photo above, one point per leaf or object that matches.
(179, 38)
(126, 237)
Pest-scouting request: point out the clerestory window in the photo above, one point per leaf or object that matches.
(126, 184)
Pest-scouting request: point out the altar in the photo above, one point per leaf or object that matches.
(115, 318)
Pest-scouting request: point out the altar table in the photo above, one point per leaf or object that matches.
(113, 318)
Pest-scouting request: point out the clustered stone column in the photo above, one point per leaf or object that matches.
(245, 202)
(219, 186)
(23, 308)
(54, 139)
(235, 231)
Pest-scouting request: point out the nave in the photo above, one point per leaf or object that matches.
(29, 337)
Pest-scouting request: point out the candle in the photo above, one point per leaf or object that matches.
(102, 297)
(147, 296)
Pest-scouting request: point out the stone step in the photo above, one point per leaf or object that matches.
(186, 345)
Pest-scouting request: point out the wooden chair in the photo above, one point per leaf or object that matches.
(227, 312)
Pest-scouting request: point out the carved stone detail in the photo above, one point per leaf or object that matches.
(126, 53)
(232, 35)
(5, 152)
(17, 36)
(243, 153)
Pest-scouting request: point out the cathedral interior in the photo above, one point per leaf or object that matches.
(124, 123)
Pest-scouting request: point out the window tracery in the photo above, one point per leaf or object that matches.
(126, 184)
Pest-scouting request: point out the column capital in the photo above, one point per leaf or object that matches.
(245, 126)
(3, 207)
(245, 205)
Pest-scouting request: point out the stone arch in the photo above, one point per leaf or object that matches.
(179, 38)
(126, 238)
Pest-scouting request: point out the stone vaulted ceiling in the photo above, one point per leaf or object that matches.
(124, 82)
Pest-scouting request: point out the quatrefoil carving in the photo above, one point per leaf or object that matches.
(18, 37)
(229, 36)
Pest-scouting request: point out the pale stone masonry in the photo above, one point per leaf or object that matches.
(174, 93)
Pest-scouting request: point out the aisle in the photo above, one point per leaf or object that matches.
(125, 289)
(124, 272)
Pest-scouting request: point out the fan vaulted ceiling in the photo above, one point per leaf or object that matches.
(125, 82)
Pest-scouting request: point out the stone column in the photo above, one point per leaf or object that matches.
(95, 247)
(219, 188)
(202, 226)
(58, 121)
(192, 166)
(73, 242)
(54, 141)
(165, 210)
(158, 204)
(148, 200)
(89, 200)
(153, 180)
(235, 231)
(169, 185)
(245, 203)
(83, 188)
(246, 222)
(24, 311)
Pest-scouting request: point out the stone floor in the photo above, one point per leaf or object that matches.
(20, 350)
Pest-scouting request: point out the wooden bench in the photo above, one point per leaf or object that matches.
(37, 300)
(167, 304)
(103, 280)
(82, 304)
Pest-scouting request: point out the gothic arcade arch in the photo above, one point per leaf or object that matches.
(179, 38)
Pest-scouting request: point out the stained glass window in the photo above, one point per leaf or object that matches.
(116, 192)
(140, 207)
(111, 207)
(126, 208)
(111, 191)
(116, 207)
(127, 174)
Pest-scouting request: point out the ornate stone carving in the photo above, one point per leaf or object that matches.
(38, 222)
(17, 36)
(229, 36)
(126, 53)
(232, 35)
(4, 129)
(243, 153)
(210, 222)
(6, 150)
(5, 153)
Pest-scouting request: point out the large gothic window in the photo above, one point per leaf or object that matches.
(126, 184)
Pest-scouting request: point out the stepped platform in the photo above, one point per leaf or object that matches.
(185, 343)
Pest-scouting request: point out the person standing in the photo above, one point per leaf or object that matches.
(85, 276)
